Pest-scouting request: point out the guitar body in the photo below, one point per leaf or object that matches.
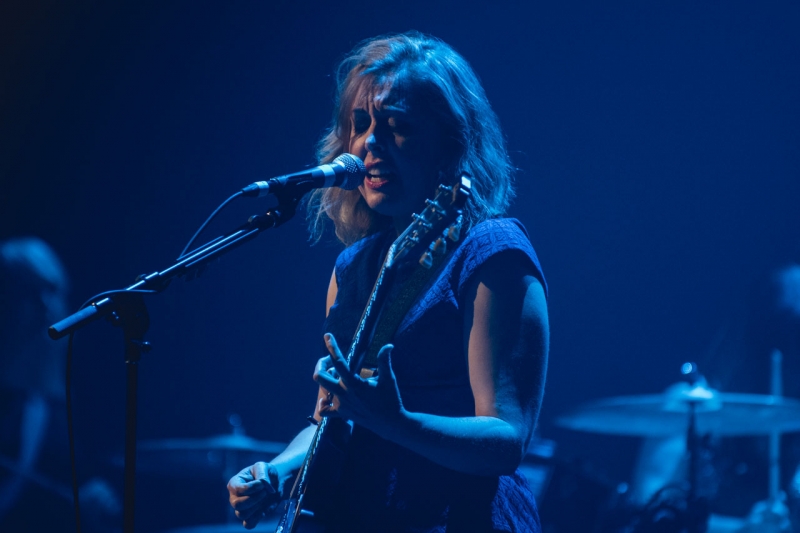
(311, 505)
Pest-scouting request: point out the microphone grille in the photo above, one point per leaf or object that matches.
(354, 171)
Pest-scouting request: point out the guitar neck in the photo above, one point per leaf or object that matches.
(424, 238)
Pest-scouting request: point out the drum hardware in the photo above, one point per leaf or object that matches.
(680, 507)
(772, 514)
(693, 409)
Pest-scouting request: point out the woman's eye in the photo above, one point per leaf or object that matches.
(361, 123)
(400, 126)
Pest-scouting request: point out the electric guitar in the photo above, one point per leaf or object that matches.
(309, 507)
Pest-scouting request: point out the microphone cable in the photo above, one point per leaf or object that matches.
(204, 224)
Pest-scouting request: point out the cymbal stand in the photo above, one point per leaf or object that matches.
(773, 514)
(776, 389)
(686, 512)
(697, 512)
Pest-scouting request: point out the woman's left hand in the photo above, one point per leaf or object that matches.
(374, 402)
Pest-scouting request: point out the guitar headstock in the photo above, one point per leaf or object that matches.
(439, 222)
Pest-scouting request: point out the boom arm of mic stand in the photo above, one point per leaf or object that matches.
(158, 281)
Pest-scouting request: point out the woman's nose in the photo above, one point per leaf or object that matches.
(372, 143)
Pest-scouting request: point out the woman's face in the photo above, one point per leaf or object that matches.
(403, 147)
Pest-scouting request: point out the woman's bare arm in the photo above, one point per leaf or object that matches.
(506, 336)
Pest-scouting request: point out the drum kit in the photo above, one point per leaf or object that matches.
(688, 411)
(692, 412)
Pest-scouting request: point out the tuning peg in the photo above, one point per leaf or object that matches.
(454, 232)
(439, 247)
(426, 260)
(433, 205)
(422, 221)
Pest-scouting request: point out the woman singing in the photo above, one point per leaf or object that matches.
(439, 434)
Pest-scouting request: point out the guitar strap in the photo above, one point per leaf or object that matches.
(392, 315)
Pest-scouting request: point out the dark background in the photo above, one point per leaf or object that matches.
(657, 144)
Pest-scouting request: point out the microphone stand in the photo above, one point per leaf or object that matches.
(126, 309)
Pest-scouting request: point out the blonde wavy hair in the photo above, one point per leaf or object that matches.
(459, 102)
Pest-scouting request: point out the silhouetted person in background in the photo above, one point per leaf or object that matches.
(35, 482)
(772, 328)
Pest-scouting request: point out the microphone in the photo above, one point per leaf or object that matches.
(346, 172)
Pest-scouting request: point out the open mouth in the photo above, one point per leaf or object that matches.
(375, 181)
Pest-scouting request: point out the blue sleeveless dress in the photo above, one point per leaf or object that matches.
(386, 487)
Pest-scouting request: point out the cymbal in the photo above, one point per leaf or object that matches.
(201, 457)
(226, 442)
(657, 415)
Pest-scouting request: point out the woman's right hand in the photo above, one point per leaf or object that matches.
(254, 491)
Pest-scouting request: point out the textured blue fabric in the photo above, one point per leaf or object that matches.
(386, 487)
